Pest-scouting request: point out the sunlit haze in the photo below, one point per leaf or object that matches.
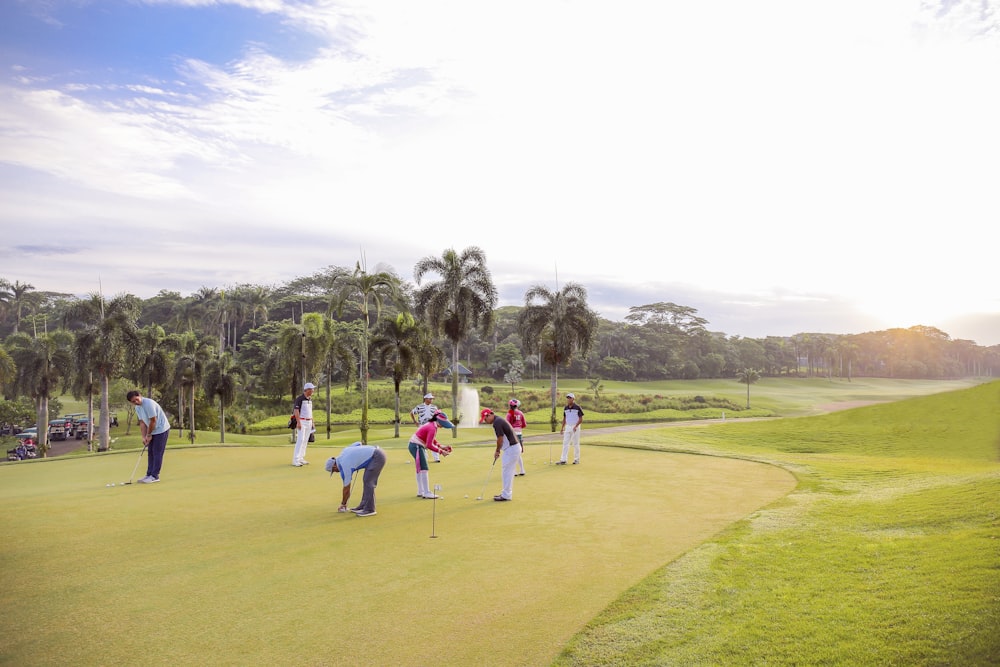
(780, 166)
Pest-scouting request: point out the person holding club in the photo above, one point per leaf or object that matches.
(507, 447)
(354, 458)
(155, 430)
(426, 438)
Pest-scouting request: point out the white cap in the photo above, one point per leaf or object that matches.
(570, 396)
(428, 395)
(309, 385)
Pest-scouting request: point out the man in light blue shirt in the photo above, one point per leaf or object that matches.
(155, 431)
(353, 458)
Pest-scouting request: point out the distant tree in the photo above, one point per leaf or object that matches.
(462, 299)
(222, 377)
(108, 339)
(366, 291)
(43, 364)
(559, 324)
(596, 386)
(513, 375)
(748, 376)
(393, 346)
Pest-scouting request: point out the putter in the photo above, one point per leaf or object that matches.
(480, 496)
(135, 467)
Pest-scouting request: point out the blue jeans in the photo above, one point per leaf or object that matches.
(154, 454)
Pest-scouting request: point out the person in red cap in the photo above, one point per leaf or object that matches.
(517, 422)
(508, 447)
(426, 438)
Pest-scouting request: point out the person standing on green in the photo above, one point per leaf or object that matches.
(571, 423)
(155, 431)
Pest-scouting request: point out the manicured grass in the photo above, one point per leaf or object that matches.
(887, 553)
(238, 558)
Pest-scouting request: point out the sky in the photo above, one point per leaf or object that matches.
(780, 166)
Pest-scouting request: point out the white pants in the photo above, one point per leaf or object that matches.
(520, 453)
(508, 464)
(301, 441)
(571, 436)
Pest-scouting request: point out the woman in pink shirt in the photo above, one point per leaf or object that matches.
(426, 438)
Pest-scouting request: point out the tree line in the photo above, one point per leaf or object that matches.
(248, 348)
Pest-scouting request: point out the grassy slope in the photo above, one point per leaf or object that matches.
(887, 553)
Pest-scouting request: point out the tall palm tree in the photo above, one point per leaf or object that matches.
(364, 292)
(346, 336)
(747, 376)
(429, 358)
(8, 371)
(108, 339)
(152, 364)
(22, 295)
(189, 369)
(221, 379)
(43, 363)
(462, 299)
(557, 324)
(393, 345)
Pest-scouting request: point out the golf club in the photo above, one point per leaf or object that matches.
(136, 467)
(480, 496)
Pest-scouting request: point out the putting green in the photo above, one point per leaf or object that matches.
(239, 558)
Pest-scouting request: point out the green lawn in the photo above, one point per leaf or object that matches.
(865, 536)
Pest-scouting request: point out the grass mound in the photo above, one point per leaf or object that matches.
(887, 553)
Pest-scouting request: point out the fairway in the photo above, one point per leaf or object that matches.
(239, 558)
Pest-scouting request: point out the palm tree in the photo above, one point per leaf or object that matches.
(747, 376)
(8, 371)
(429, 357)
(221, 378)
(152, 363)
(462, 299)
(558, 324)
(394, 344)
(193, 354)
(345, 336)
(42, 364)
(22, 296)
(363, 291)
(108, 339)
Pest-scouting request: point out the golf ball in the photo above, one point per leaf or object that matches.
(467, 495)
(109, 486)
(112, 483)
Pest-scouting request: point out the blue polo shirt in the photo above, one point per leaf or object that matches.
(355, 457)
(148, 409)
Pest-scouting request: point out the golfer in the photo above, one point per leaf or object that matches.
(508, 447)
(353, 458)
(570, 431)
(303, 413)
(155, 431)
(517, 422)
(426, 438)
(422, 414)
